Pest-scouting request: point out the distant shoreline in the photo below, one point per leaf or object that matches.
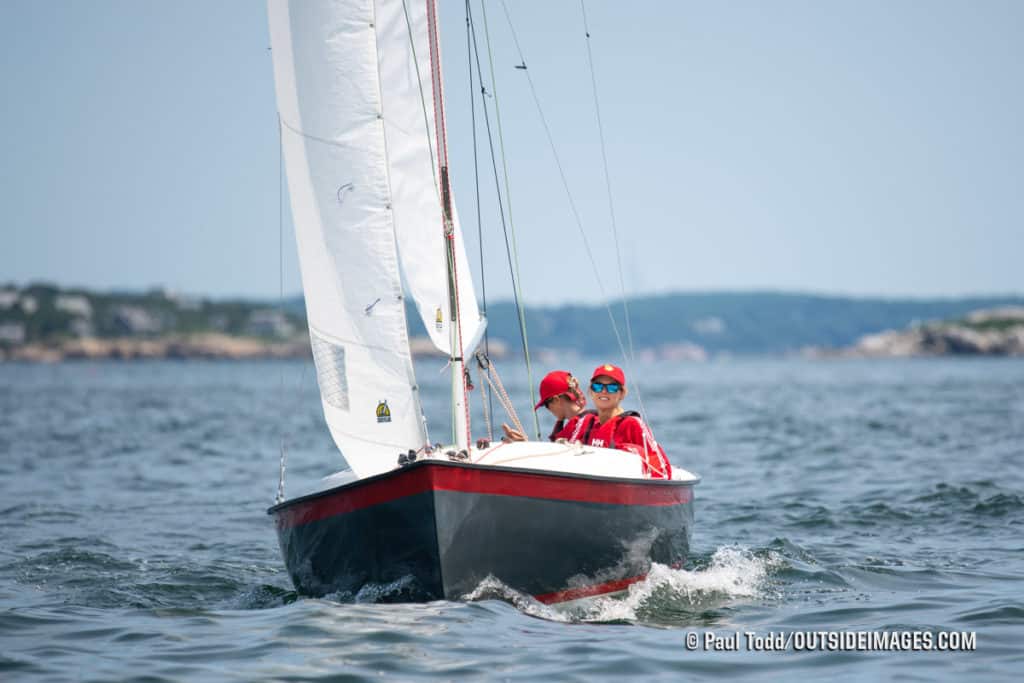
(46, 323)
(996, 332)
(211, 346)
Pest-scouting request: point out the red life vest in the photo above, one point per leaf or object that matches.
(633, 436)
(571, 430)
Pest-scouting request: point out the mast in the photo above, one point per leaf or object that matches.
(460, 402)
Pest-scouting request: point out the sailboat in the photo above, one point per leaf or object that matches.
(362, 118)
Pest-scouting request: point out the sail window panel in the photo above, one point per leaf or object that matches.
(329, 359)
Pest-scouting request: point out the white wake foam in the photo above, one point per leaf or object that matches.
(732, 573)
(493, 589)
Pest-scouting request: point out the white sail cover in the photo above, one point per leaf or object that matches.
(363, 187)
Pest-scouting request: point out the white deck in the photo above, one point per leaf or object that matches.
(571, 458)
(574, 458)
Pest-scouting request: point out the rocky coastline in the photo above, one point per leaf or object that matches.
(209, 345)
(183, 346)
(45, 324)
(990, 332)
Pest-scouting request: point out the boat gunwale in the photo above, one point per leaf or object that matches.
(486, 468)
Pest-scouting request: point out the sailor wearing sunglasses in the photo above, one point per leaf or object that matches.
(614, 427)
(610, 426)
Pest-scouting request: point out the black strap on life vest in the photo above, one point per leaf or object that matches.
(590, 425)
(619, 418)
(559, 426)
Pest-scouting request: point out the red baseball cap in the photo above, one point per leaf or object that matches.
(609, 371)
(555, 383)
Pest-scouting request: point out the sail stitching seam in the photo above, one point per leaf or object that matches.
(341, 340)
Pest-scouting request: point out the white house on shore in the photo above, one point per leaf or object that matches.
(12, 333)
(73, 304)
(8, 297)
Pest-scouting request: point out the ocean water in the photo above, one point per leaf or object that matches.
(838, 497)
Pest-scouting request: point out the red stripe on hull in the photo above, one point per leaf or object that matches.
(442, 477)
(589, 591)
(597, 589)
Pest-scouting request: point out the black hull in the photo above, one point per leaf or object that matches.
(435, 530)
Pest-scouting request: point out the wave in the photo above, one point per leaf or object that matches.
(665, 597)
(967, 503)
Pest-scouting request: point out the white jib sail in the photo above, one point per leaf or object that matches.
(342, 188)
(410, 74)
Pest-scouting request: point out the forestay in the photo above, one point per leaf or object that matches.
(363, 188)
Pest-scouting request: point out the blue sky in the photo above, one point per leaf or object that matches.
(869, 148)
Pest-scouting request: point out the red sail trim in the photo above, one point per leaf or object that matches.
(429, 477)
(437, 84)
(441, 134)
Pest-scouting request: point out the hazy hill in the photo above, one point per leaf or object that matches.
(733, 322)
(736, 322)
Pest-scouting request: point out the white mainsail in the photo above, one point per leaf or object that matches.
(363, 186)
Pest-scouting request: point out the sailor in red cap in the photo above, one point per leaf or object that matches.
(560, 393)
(614, 427)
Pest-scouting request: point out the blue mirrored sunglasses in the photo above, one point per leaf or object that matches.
(611, 388)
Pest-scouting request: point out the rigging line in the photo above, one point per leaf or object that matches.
(572, 202)
(447, 219)
(572, 206)
(508, 199)
(280, 218)
(611, 205)
(423, 103)
(497, 189)
(289, 411)
(488, 400)
(490, 373)
(437, 185)
(280, 282)
(608, 182)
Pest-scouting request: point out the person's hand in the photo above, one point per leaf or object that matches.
(512, 434)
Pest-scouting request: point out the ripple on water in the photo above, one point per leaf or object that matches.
(836, 496)
(1007, 613)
